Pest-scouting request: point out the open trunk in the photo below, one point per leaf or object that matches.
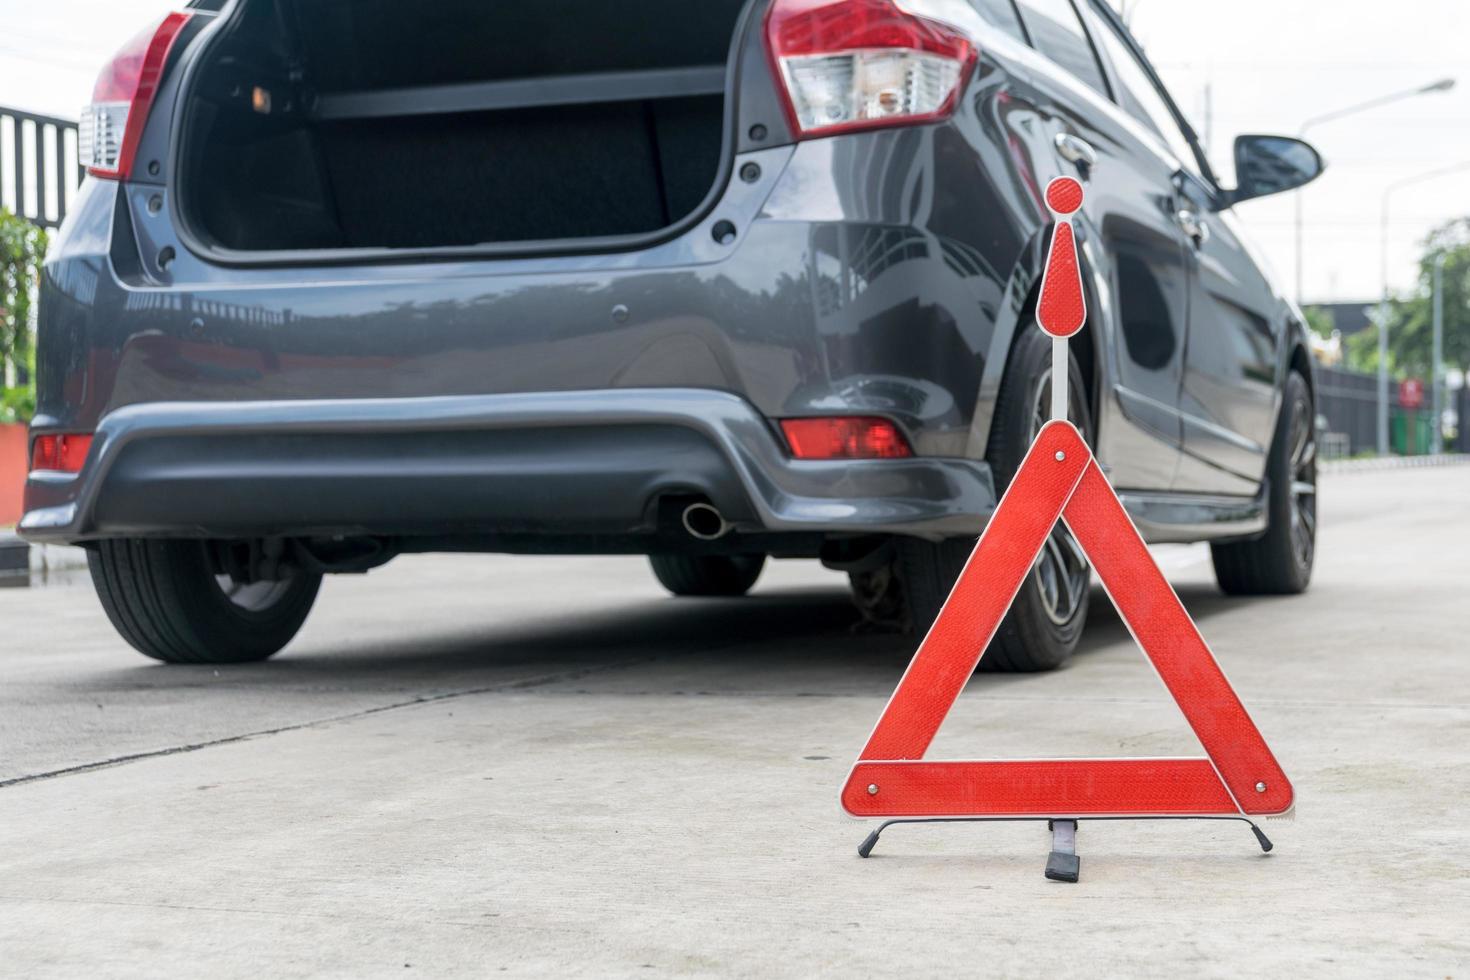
(330, 124)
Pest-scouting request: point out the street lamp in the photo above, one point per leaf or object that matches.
(1388, 193)
(1442, 85)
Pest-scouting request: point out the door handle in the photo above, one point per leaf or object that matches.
(1193, 225)
(1075, 149)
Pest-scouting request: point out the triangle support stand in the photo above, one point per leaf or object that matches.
(871, 841)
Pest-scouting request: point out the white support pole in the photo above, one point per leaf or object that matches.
(1059, 373)
(1436, 396)
(1382, 413)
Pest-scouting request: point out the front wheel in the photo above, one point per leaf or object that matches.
(1279, 562)
(175, 602)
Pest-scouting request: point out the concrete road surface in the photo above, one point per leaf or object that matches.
(480, 766)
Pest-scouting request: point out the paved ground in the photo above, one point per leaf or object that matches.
(543, 766)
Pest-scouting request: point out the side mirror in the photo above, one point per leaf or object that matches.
(1272, 164)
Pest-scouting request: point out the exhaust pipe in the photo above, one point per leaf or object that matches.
(704, 521)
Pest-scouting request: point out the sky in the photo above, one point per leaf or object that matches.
(1268, 65)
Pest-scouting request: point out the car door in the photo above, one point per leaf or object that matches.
(1130, 201)
(1227, 391)
(1229, 399)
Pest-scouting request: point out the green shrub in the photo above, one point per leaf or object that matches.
(17, 403)
(22, 249)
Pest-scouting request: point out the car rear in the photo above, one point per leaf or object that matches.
(364, 278)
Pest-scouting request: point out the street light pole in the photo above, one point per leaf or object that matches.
(1443, 85)
(1382, 413)
(1388, 193)
(1436, 399)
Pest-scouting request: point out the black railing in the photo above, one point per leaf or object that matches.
(1462, 424)
(1348, 403)
(1348, 400)
(39, 173)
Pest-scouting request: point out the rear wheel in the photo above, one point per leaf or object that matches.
(1279, 562)
(1045, 622)
(707, 575)
(176, 601)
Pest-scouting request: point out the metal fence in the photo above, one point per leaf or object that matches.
(1348, 401)
(1462, 424)
(39, 173)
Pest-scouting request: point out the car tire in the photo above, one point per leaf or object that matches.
(169, 600)
(1044, 624)
(707, 575)
(1279, 562)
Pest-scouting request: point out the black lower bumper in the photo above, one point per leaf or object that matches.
(558, 463)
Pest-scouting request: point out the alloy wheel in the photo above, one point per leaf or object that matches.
(1303, 471)
(229, 561)
(252, 596)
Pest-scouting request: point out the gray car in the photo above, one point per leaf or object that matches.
(713, 282)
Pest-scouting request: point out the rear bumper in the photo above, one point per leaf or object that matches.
(548, 464)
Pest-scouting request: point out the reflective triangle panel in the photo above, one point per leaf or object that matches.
(1060, 480)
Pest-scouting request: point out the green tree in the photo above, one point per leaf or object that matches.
(1319, 321)
(22, 248)
(1410, 318)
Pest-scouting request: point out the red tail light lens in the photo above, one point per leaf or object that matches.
(63, 453)
(113, 124)
(845, 437)
(860, 64)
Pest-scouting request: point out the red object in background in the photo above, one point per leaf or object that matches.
(1060, 479)
(13, 461)
(1411, 393)
(61, 453)
(845, 437)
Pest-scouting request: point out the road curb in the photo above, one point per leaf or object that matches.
(1377, 463)
(15, 561)
(23, 563)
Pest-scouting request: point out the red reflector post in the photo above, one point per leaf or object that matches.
(60, 453)
(845, 437)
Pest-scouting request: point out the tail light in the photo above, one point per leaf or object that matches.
(861, 64)
(61, 453)
(112, 125)
(844, 437)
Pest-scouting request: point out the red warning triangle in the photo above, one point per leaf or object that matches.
(1060, 479)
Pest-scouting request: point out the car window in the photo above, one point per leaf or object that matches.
(1140, 98)
(1002, 14)
(1057, 33)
